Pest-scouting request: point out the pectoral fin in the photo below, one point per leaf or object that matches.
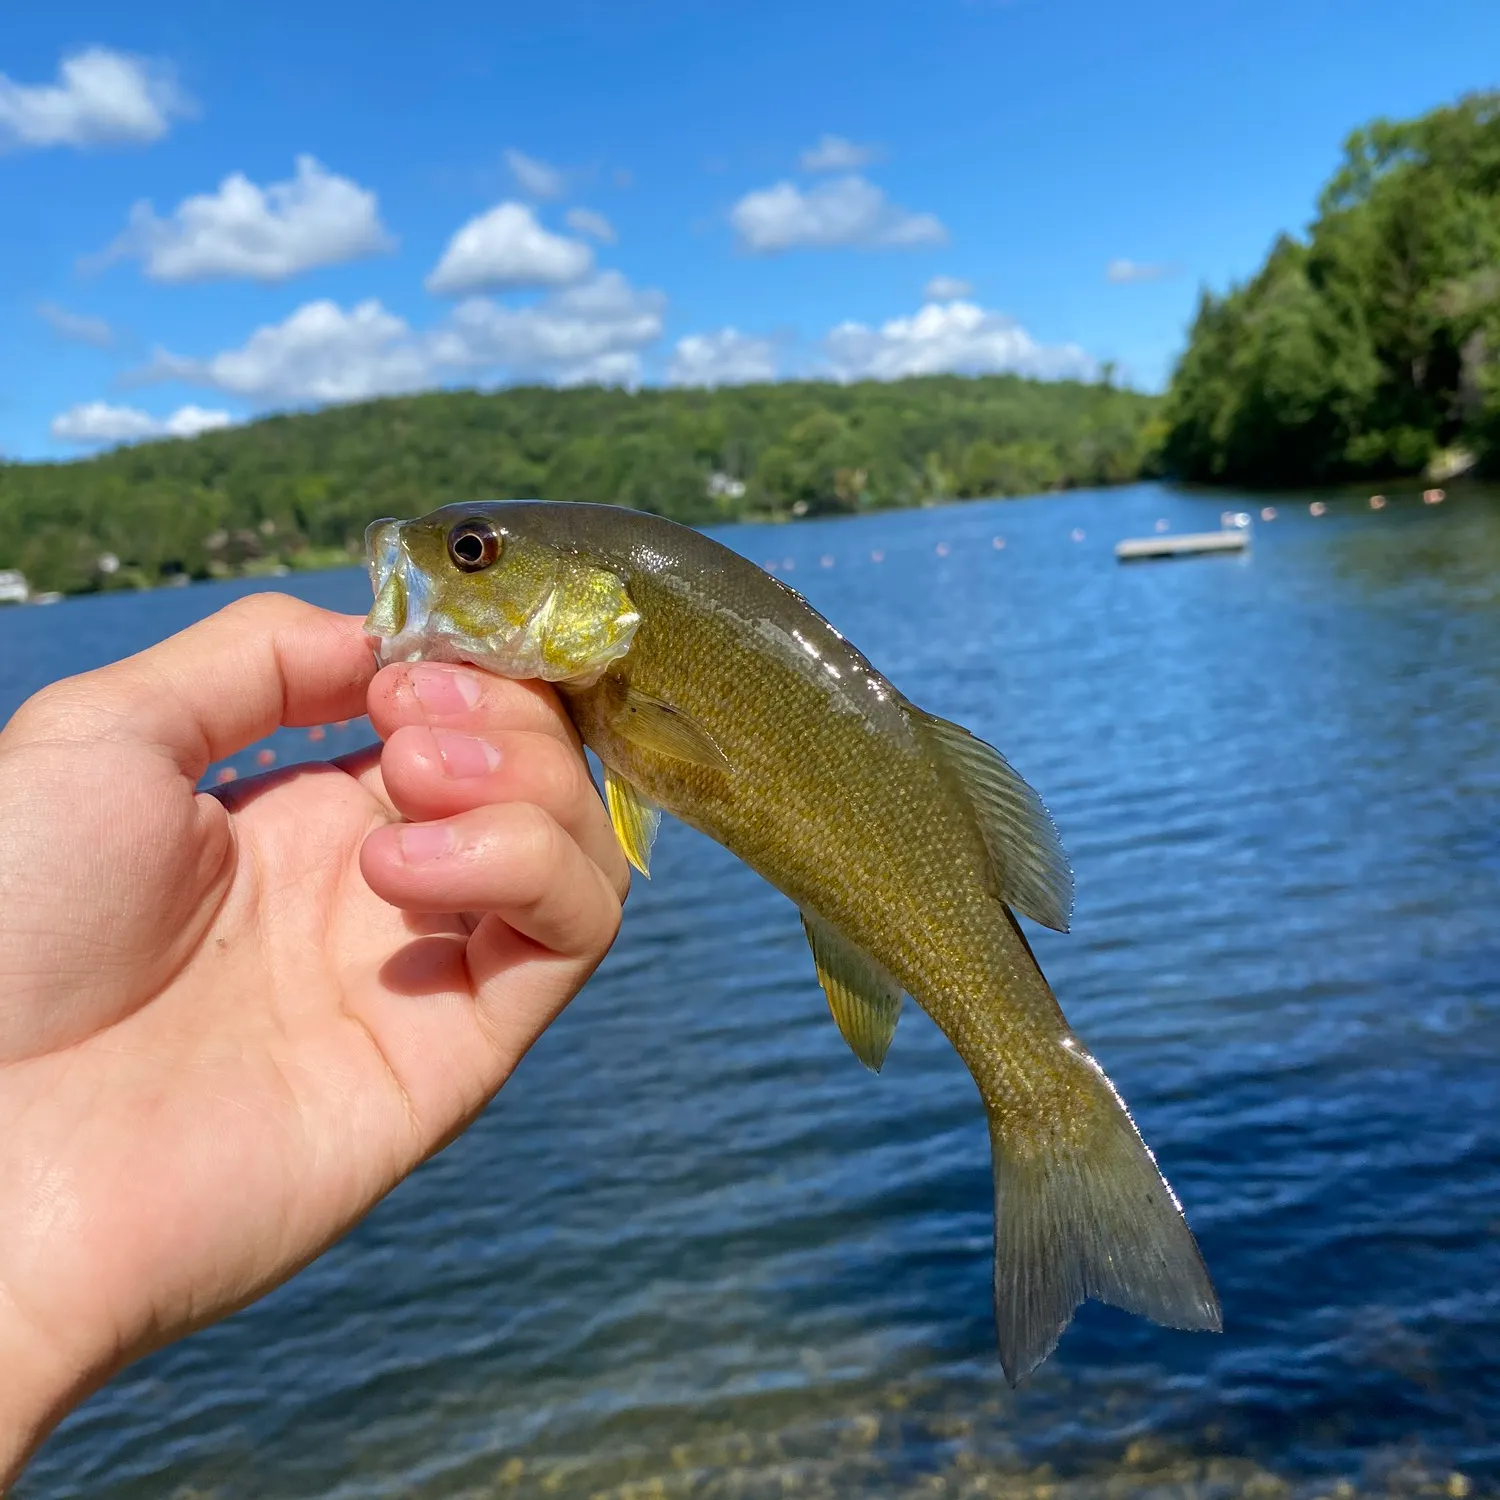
(864, 998)
(1031, 869)
(653, 725)
(635, 820)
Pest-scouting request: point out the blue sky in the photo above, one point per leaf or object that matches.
(213, 210)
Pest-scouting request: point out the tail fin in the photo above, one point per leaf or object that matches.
(1094, 1219)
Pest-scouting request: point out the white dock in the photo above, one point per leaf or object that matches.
(1185, 544)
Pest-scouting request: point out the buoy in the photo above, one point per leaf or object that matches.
(1433, 497)
(1377, 502)
(1078, 533)
(265, 757)
(789, 564)
(998, 544)
(825, 561)
(1316, 508)
(225, 773)
(316, 733)
(1163, 524)
(877, 557)
(941, 549)
(1268, 513)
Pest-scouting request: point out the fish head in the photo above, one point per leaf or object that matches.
(468, 584)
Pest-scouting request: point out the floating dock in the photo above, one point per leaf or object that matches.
(1186, 544)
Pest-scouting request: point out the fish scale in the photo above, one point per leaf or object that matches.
(714, 691)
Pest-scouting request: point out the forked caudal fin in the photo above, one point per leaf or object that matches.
(1094, 1219)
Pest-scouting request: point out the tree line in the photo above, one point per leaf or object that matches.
(1370, 347)
(298, 490)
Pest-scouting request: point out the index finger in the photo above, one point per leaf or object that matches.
(263, 662)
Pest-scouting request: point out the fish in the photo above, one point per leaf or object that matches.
(711, 690)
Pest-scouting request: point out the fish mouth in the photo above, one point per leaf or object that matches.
(398, 621)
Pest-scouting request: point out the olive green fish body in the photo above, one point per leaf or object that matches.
(711, 690)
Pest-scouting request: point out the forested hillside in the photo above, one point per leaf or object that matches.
(300, 489)
(1372, 344)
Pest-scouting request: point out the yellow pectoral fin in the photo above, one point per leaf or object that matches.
(635, 819)
(653, 725)
(864, 999)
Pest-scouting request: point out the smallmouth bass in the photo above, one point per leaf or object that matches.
(710, 689)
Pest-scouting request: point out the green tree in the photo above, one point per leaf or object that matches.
(1366, 346)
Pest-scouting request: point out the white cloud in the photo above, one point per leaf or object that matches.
(100, 98)
(834, 153)
(956, 338)
(1129, 272)
(586, 221)
(97, 422)
(505, 249)
(78, 328)
(946, 289)
(321, 353)
(265, 234)
(535, 178)
(593, 332)
(727, 357)
(845, 211)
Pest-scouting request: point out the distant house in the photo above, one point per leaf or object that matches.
(725, 486)
(13, 588)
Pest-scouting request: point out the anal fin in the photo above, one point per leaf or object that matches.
(635, 820)
(864, 998)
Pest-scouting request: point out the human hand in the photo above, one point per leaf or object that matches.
(230, 1023)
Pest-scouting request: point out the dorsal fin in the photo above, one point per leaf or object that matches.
(864, 999)
(1032, 870)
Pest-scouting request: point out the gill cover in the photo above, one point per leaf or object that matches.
(533, 612)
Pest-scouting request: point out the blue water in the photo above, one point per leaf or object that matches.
(695, 1249)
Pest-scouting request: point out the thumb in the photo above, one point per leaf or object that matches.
(261, 663)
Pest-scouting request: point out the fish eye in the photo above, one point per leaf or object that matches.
(473, 545)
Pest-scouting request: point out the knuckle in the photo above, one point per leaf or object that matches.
(558, 773)
(50, 710)
(263, 611)
(538, 849)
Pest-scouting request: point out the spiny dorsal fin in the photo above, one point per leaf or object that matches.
(1018, 830)
(635, 819)
(864, 998)
(654, 725)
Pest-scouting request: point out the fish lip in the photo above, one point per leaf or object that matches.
(382, 549)
(388, 560)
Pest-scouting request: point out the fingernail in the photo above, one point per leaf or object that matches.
(464, 756)
(443, 690)
(421, 843)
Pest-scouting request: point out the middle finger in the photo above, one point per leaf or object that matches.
(431, 774)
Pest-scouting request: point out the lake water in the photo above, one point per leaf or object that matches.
(695, 1249)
